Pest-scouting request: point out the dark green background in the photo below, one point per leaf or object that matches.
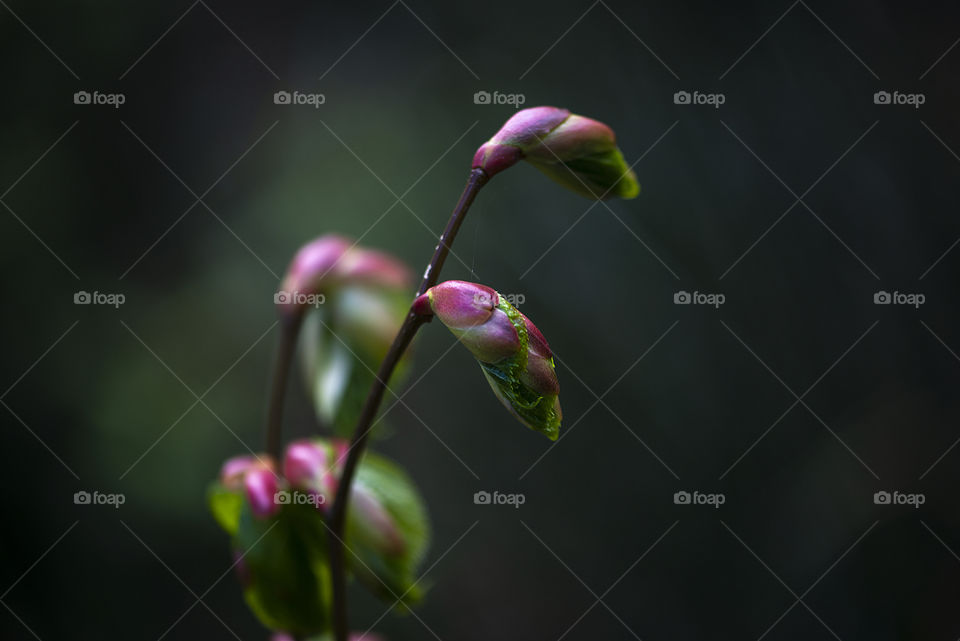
(797, 505)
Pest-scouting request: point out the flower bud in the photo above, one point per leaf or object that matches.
(261, 486)
(471, 312)
(234, 469)
(311, 266)
(331, 261)
(577, 152)
(512, 352)
(311, 466)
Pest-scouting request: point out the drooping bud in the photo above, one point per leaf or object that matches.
(512, 352)
(577, 152)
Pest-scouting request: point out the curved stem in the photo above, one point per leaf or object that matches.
(289, 330)
(358, 442)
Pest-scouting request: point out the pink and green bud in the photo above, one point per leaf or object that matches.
(577, 152)
(333, 261)
(512, 352)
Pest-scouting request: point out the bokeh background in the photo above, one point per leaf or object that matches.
(797, 399)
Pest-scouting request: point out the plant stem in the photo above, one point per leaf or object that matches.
(358, 442)
(289, 330)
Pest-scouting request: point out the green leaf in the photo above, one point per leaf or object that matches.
(342, 345)
(599, 175)
(284, 569)
(226, 506)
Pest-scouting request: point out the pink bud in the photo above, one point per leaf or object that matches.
(313, 263)
(523, 131)
(471, 312)
(307, 466)
(332, 261)
(234, 469)
(260, 483)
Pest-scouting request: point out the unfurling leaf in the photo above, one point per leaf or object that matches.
(513, 354)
